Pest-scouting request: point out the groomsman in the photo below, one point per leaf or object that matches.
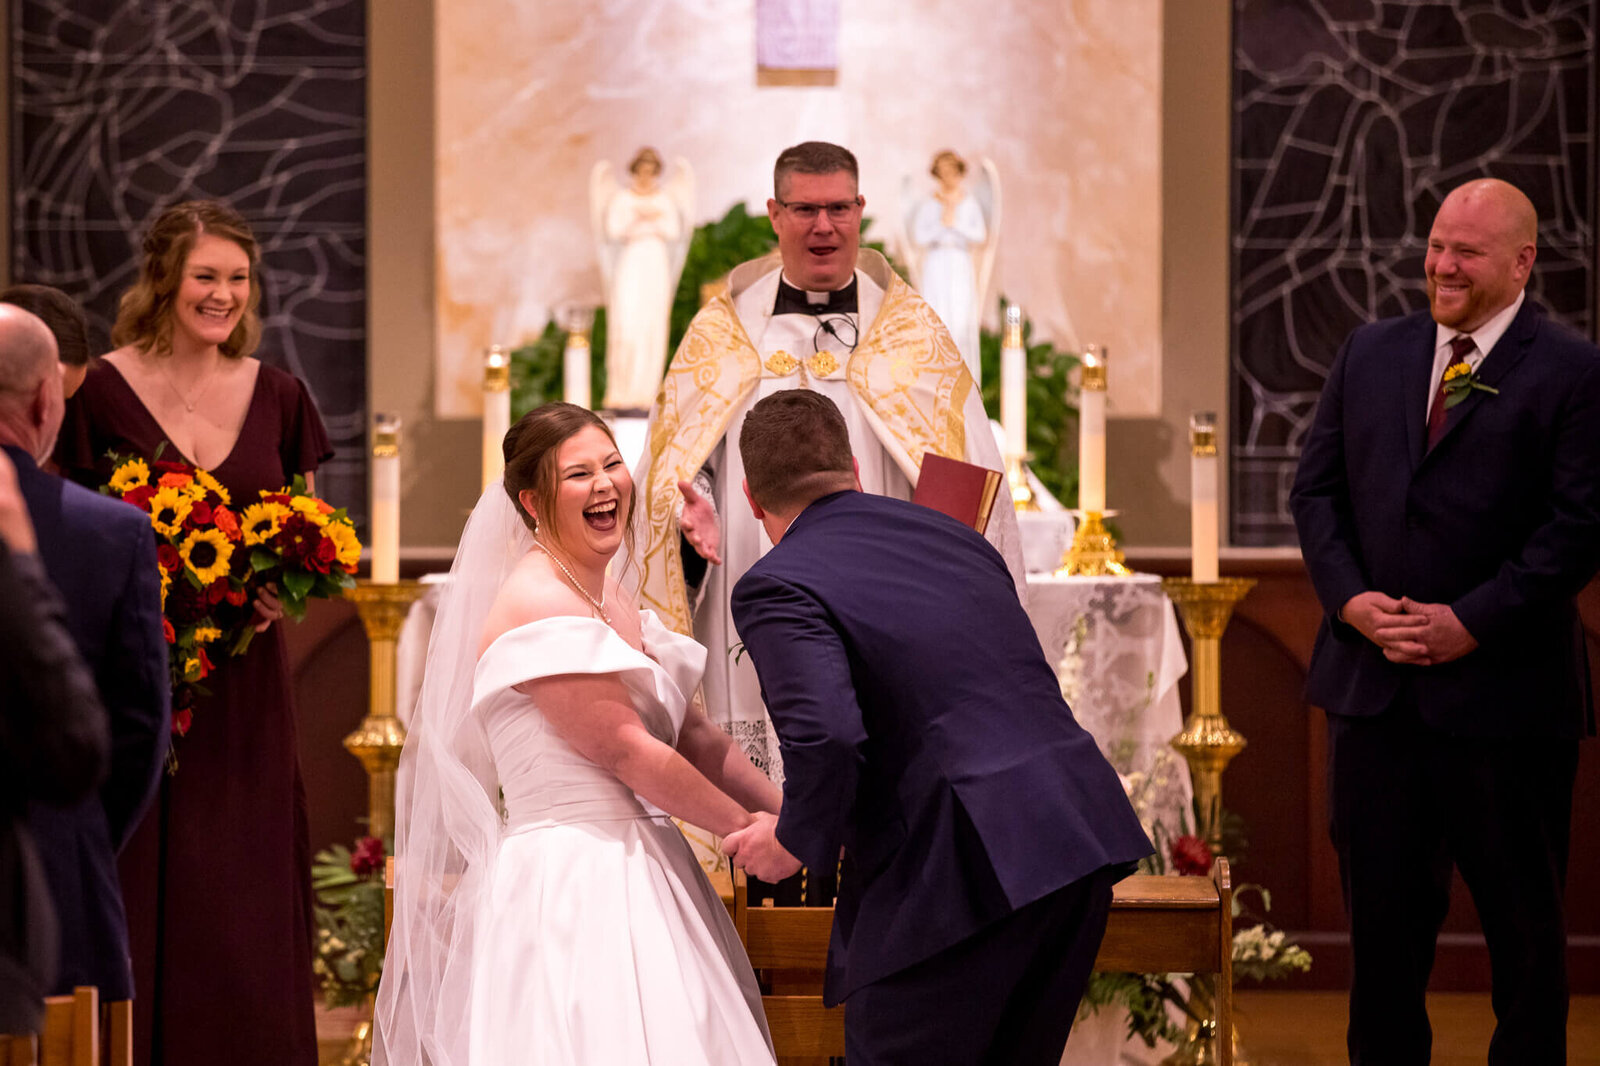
(1448, 505)
(922, 730)
(101, 554)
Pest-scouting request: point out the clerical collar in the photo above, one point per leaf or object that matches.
(793, 301)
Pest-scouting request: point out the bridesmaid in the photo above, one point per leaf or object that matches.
(217, 877)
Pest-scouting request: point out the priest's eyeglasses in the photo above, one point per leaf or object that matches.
(842, 211)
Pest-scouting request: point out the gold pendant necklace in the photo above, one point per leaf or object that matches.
(188, 404)
(600, 606)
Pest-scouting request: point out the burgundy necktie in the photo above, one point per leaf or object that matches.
(1461, 345)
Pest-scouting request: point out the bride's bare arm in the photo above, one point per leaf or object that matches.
(595, 716)
(713, 753)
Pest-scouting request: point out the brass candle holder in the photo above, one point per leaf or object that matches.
(379, 738)
(1022, 494)
(1094, 551)
(1207, 742)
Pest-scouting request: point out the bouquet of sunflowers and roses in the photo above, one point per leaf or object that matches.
(217, 554)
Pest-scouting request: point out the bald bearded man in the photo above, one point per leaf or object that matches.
(1448, 506)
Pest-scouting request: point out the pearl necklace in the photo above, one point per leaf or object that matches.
(600, 605)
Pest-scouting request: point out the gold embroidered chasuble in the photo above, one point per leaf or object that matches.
(907, 374)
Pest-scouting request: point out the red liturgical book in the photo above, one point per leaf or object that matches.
(963, 491)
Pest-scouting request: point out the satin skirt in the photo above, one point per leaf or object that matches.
(601, 942)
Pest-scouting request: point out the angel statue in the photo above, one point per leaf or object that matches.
(642, 231)
(950, 242)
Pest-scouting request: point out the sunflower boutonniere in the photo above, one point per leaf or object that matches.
(1459, 381)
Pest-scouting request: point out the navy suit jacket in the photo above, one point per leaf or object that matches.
(100, 553)
(1500, 520)
(922, 730)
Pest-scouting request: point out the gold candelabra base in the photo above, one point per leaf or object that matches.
(1022, 495)
(1208, 743)
(1094, 552)
(378, 740)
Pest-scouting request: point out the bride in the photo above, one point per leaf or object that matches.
(547, 910)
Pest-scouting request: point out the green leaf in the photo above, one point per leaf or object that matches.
(296, 583)
(262, 559)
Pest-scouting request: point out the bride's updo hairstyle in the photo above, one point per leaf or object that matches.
(530, 450)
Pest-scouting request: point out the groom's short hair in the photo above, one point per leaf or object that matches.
(796, 448)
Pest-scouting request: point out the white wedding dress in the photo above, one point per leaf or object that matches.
(598, 940)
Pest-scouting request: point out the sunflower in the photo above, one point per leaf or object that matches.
(343, 536)
(130, 475)
(166, 583)
(211, 484)
(206, 634)
(311, 508)
(260, 522)
(206, 552)
(168, 508)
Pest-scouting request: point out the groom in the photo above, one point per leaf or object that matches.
(923, 731)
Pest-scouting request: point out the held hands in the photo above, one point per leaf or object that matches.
(756, 850)
(698, 523)
(268, 609)
(1412, 633)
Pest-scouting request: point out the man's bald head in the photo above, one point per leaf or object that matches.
(31, 404)
(1480, 252)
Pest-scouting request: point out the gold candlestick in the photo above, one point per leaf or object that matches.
(1207, 742)
(1094, 552)
(1022, 495)
(379, 738)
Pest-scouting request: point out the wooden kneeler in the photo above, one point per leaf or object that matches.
(1158, 924)
(788, 948)
(70, 1037)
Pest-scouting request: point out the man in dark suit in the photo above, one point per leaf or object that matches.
(53, 747)
(101, 554)
(1448, 516)
(922, 730)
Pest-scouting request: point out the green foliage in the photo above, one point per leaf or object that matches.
(536, 367)
(1144, 996)
(1052, 412)
(349, 917)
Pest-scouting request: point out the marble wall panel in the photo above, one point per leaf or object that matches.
(1352, 120)
(119, 110)
(1065, 97)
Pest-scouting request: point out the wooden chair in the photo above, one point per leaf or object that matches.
(1176, 925)
(71, 1034)
(116, 1033)
(788, 947)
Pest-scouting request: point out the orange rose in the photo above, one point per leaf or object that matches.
(175, 479)
(226, 521)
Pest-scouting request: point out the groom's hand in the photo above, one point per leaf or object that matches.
(698, 523)
(756, 850)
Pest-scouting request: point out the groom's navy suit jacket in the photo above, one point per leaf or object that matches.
(100, 553)
(1500, 520)
(922, 730)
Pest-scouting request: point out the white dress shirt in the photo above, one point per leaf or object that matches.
(1485, 337)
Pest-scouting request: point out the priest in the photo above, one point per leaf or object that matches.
(830, 317)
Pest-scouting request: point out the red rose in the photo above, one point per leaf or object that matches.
(167, 466)
(1191, 856)
(235, 596)
(367, 858)
(217, 590)
(140, 497)
(226, 521)
(169, 558)
(181, 720)
(199, 514)
(168, 632)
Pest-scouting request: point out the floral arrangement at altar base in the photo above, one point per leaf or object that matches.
(349, 914)
(215, 557)
(1260, 951)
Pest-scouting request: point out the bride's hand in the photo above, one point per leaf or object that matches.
(699, 524)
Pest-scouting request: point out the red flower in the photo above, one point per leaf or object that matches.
(1191, 856)
(205, 662)
(167, 466)
(181, 720)
(236, 596)
(367, 859)
(140, 497)
(199, 514)
(226, 521)
(324, 555)
(217, 590)
(168, 632)
(169, 558)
